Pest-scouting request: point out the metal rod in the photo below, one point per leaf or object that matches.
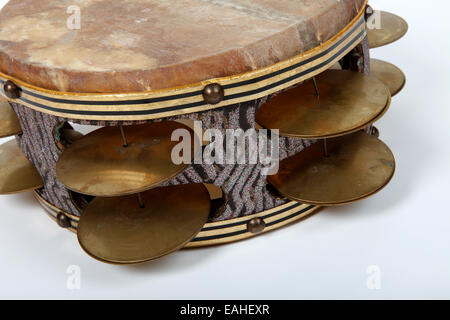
(325, 148)
(315, 86)
(124, 137)
(141, 202)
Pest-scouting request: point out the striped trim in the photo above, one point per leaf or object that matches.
(215, 233)
(184, 100)
(53, 212)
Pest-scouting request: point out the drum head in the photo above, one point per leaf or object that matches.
(358, 166)
(117, 230)
(154, 45)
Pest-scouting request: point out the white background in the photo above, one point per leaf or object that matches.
(405, 229)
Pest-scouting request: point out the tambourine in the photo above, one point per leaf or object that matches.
(296, 72)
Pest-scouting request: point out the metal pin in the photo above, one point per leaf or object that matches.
(325, 148)
(315, 86)
(141, 202)
(125, 142)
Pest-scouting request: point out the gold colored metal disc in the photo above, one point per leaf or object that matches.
(392, 77)
(17, 173)
(117, 230)
(348, 102)
(98, 164)
(358, 166)
(392, 28)
(9, 123)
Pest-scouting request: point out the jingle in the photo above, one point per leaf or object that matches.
(17, 173)
(392, 77)
(9, 123)
(351, 168)
(98, 164)
(117, 230)
(347, 102)
(392, 29)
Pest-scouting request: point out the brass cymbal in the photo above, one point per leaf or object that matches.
(98, 164)
(117, 230)
(72, 135)
(392, 77)
(348, 102)
(392, 29)
(9, 123)
(358, 166)
(17, 173)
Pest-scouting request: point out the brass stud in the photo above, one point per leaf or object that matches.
(213, 93)
(368, 13)
(375, 132)
(63, 221)
(256, 225)
(12, 91)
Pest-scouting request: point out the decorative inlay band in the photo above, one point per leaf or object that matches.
(224, 231)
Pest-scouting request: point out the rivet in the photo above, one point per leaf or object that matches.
(12, 91)
(256, 225)
(213, 93)
(63, 221)
(375, 132)
(368, 13)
